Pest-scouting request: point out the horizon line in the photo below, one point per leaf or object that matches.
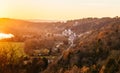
(54, 20)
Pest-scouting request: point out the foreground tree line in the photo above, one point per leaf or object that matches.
(12, 61)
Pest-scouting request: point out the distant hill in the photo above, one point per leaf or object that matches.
(23, 27)
(38, 20)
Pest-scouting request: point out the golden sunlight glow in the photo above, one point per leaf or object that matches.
(4, 35)
(1, 8)
(58, 9)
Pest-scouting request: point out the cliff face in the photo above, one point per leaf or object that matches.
(98, 52)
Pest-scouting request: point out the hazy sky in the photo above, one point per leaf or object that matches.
(58, 9)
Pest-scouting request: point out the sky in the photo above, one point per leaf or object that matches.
(58, 9)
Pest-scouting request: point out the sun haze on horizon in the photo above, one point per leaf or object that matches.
(58, 9)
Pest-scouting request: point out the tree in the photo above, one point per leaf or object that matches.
(38, 44)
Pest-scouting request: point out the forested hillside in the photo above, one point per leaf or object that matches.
(97, 53)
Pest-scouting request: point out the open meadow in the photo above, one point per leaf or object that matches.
(16, 47)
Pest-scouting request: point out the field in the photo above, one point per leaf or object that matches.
(9, 47)
(17, 48)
